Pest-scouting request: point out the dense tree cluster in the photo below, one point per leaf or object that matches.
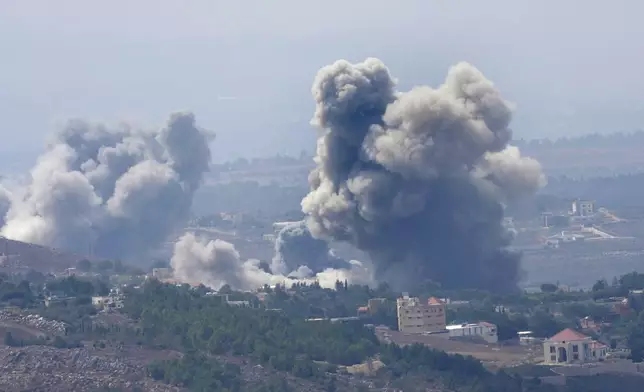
(181, 318)
(15, 294)
(197, 372)
(310, 301)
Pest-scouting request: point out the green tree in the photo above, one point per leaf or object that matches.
(84, 265)
(635, 339)
(549, 288)
(600, 285)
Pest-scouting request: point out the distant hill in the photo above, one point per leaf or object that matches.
(17, 255)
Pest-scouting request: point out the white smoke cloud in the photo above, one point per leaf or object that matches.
(214, 263)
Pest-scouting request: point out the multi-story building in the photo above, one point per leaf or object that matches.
(570, 346)
(415, 316)
(583, 208)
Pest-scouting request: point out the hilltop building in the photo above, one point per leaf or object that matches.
(582, 208)
(570, 346)
(415, 316)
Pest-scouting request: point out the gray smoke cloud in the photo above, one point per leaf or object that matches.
(214, 263)
(295, 247)
(122, 190)
(418, 179)
(5, 203)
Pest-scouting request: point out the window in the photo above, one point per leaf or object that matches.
(553, 358)
(553, 350)
(575, 356)
(575, 348)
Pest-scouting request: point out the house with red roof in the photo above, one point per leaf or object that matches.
(570, 346)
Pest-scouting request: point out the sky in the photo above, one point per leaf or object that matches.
(246, 67)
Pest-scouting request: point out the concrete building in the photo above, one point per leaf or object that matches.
(582, 208)
(415, 316)
(112, 301)
(570, 346)
(481, 330)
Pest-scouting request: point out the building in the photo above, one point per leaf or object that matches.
(415, 316)
(481, 330)
(582, 208)
(226, 298)
(526, 338)
(56, 300)
(570, 346)
(112, 301)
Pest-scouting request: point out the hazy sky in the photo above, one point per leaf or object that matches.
(246, 67)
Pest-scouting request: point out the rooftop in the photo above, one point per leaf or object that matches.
(568, 334)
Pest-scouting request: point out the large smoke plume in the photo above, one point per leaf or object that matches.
(215, 263)
(418, 179)
(117, 191)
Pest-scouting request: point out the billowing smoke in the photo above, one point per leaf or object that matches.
(295, 247)
(118, 191)
(5, 203)
(215, 263)
(418, 179)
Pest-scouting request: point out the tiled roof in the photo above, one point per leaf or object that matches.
(596, 344)
(568, 334)
(434, 301)
(486, 324)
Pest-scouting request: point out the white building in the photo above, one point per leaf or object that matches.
(582, 208)
(527, 338)
(415, 316)
(484, 330)
(570, 346)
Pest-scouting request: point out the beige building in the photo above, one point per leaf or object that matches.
(415, 316)
(570, 346)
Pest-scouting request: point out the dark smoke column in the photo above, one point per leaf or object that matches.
(418, 179)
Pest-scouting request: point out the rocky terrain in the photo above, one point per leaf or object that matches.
(42, 368)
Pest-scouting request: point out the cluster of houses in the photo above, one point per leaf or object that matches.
(429, 317)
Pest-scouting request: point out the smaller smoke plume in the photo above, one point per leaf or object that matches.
(120, 191)
(295, 247)
(215, 263)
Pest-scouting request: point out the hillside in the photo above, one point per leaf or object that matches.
(17, 256)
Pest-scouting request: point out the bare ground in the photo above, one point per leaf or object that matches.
(492, 355)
